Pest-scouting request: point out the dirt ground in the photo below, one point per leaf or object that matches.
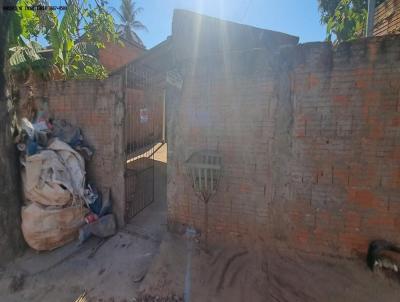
(107, 270)
(143, 262)
(267, 274)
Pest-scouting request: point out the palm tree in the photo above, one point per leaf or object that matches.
(127, 14)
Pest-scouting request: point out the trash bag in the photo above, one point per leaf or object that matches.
(54, 177)
(46, 180)
(85, 151)
(27, 126)
(47, 228)
(103, 227)
(67, 132)
(93, 199)
(74, 163)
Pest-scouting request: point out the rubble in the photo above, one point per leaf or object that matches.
(56, 195)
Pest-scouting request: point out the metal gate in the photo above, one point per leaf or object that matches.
(141, 138)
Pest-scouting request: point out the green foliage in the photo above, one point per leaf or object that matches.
(14, 30)
(347, 22)
(24, 53)
(69, 57)
(25, 57)
(101, 25)
(127, 14)
(30, 22)
(73, 52)
(344, 19)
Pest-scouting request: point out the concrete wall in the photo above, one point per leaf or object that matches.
(387, 18)
(11, 240)
(310, 139)
(98, 108)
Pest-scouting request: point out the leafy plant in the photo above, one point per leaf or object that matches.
(344, 19)
(73, 45)
(127, 14)
(26, 53)
(70, 57)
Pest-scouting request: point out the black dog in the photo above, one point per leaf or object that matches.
(380, 253)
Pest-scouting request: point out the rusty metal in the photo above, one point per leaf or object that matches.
(140, 140)
(205, 171)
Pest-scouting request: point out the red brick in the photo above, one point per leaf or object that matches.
(364, 198)
(353, 220)
(328, 166)
(342, 100)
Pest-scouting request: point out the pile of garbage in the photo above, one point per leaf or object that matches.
(58, 203)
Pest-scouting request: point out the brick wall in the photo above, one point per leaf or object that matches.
(310, 141)
(345, 167)
(97, 107)
(235, 115)
(387, 18)
(114, 56)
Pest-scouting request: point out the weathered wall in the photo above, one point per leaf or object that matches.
(345, 165)
(11, 240)
(387, 18)
(310, 140)
(231, 108)
(98, 108)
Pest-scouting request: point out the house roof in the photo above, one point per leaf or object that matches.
(194, 34)
(154, 58)
(136, 43)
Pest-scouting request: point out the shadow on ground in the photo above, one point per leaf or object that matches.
(267, 274)
(107, 270)
(143, 260)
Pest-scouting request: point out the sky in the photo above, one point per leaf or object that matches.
(296, 17)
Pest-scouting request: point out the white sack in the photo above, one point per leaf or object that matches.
(55, 176)
(74, 163)
(47, 228)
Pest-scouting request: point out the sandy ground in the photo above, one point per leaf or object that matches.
(107, 270)
(144, 260)
(133, 264)
(267, 274)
